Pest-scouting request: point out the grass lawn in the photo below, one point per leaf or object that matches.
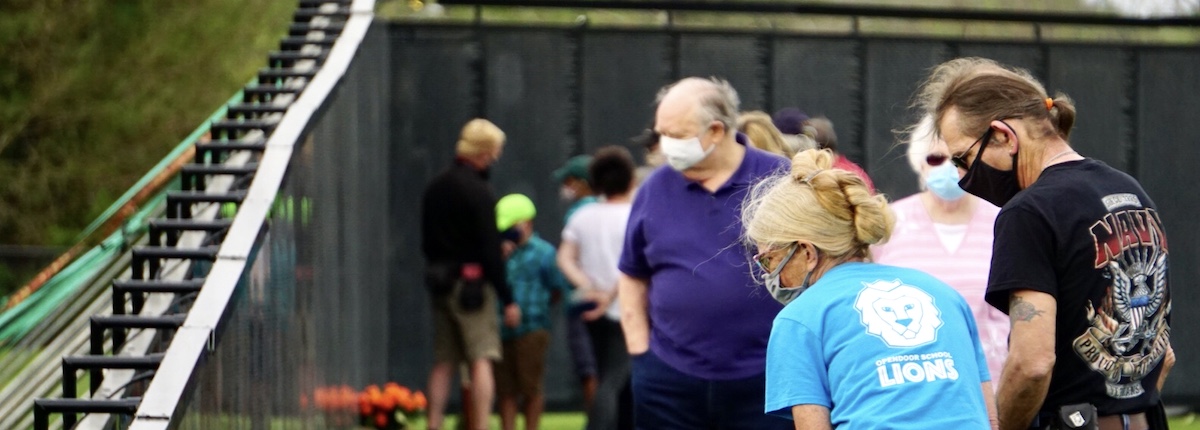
(550, 421)
(575, 421)
(1185, 422)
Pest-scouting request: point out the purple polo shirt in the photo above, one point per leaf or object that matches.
(708, 316)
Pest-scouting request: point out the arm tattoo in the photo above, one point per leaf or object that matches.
(1021, 310)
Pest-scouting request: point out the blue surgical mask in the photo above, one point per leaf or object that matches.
(943, 182)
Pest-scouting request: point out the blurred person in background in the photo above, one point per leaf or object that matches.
(763, 135)
(575, 190)
(654, 158)
(822, 132)
(591, 246)
(792, 123)
(947, 233)
(465, 271)
(859, 345)
(696, 335)
(533, 277)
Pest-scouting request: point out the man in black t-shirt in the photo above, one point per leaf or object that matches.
(1080, 255)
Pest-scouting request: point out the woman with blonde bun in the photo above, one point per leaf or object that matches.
(858, 345)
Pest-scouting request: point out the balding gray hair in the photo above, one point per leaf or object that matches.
(718, 100)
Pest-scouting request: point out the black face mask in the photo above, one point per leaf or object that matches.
(512, 235)
(988, 183)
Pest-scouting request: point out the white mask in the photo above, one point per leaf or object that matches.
(567, 194)
(682, 154)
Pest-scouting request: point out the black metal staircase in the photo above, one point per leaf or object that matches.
(246, 128)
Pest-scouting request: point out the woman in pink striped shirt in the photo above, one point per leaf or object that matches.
(947, 233)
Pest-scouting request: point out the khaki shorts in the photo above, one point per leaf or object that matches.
(461, 336)
(524, 364)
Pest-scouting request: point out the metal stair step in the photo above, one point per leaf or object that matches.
(297, 41)
(94, 364)
(42, 408)
(119, 323)
(303, 28)
(138, 287)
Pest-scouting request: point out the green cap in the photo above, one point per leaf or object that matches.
(575, 167)
(512, 209)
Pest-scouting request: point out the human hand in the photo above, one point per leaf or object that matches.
(512, 315)
(637, 346)
(1167, 363)
(602, 300)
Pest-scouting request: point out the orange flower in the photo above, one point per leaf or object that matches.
(419, 401)
(364, 404)
(385, 403)
(402, 397)
(381, 419)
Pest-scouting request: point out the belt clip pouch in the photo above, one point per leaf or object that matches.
(470, 296)
(1078, 416)
(440, 278)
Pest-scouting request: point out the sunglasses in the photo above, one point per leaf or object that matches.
(960, 160)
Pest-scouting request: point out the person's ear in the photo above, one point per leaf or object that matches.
(717, 128)
(808, 254)
(1005, 135)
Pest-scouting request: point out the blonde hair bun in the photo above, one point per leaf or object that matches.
(844, 195)
(815, 202)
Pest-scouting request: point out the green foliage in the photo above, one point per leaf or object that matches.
(95, 92)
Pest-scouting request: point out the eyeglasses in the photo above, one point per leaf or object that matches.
(763, 259)
(960, 160)
(935, 159)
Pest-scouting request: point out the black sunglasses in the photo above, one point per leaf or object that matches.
(960, 160)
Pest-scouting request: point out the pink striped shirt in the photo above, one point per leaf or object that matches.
(915, 244)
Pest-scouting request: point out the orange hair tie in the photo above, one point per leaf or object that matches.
(1049, 103)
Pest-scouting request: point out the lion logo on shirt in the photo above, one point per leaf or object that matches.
(900, 315)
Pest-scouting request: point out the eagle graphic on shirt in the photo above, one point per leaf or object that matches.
(1128, 333)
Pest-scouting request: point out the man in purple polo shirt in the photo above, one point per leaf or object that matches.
(695, 323)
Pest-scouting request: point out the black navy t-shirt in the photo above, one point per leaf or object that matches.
(1088, 235)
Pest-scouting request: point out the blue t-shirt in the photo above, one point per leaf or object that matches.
(882, 347)
(708, 316)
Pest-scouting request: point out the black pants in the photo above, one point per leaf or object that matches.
(613, 407)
